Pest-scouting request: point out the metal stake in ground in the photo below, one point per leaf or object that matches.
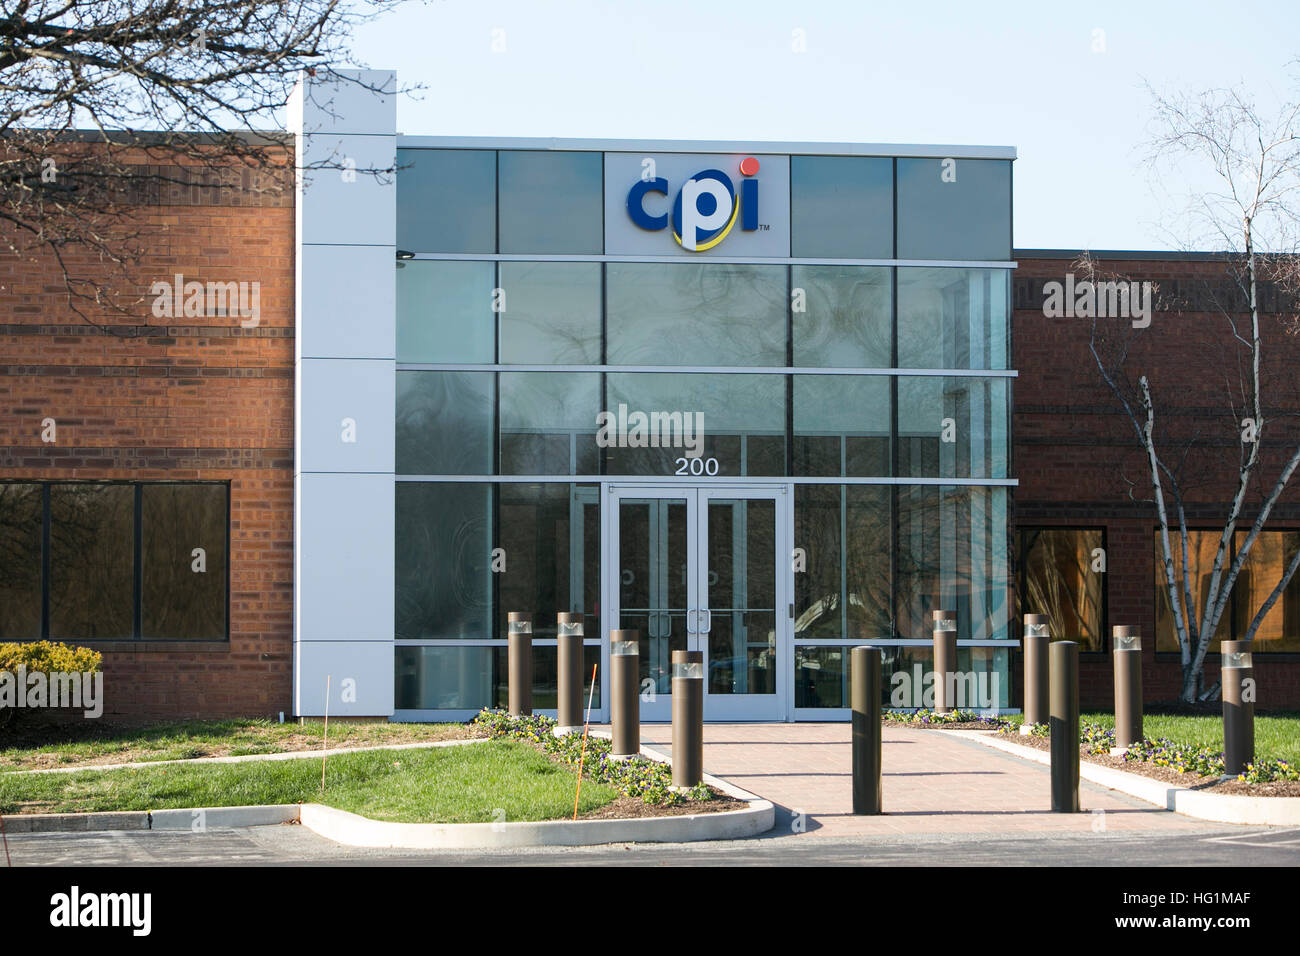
(582, 754)
(325, 740)
(519, 635)
(568, 659)
(1064, 721)
(864, 674)
(1126, 651)
(624, 701)
(1036, 639)
(1237, 677)
(945, 660)
(688, 718)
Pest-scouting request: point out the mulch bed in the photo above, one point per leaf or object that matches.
(967, 725)
(1191, 781)
(627, 808)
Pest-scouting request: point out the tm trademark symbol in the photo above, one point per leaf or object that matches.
(764, 227)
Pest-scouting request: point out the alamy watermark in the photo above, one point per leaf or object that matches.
(624, 429)
(59, 689)
(981, 689)
(180, 299)
(1101, 299)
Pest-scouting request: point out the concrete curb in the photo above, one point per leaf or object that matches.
(76, 822)
(205, 817)
(249, 758)
(1217, 807)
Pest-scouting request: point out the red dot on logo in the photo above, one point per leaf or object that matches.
(748, 166)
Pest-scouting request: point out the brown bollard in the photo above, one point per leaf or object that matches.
(519, 634)
(688, 718)
(1036, 639)
(864, 677)
(1064, 722)
(1126, 652)
(1238, 681)
(624, 700)
(945, 661)
(568, 672)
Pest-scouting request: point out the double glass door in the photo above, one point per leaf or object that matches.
(700, 568)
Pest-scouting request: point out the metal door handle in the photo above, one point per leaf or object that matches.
(690, 628)
(708, 621)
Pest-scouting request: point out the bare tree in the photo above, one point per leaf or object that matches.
(1252, 216)
(106, 105)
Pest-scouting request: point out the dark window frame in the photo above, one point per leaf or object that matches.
(137, 547)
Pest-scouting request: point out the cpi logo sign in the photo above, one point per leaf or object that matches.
(706, 207)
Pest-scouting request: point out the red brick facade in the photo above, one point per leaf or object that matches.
(1075, 451)
(207, 399)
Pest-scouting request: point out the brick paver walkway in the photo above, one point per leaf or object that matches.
(933, 782)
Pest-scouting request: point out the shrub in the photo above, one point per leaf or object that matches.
(44, 657)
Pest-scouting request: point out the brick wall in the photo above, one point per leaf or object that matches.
(1077, 456)
(193, 398)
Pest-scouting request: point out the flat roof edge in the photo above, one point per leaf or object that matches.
(904, 150)
(1137, 255)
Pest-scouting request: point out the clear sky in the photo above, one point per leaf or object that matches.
(1062, 83)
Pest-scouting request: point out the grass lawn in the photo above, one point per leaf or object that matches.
(96, 742)
(1276, 736)
(477, 783)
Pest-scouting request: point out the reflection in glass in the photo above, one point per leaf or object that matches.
(695, 313)
(21, 517)
(444, 312)
(552, 313)
(653, 564)
(1057, 580)
(841, 425)
(92, 562)
(178, 602)
(952, 427)
(1201, 548)
(548, 423)
(443, 549)
(845, 320)
(953, 318)
(1270, 556)
(444, 423)
(952, 553)
(551, 202)
(740, 619)
(743, 423)
(825, 517)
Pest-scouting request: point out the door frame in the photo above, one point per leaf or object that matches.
(717, 707)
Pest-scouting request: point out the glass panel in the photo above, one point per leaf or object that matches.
(841, 425)
(443, 549)
(983, 678)
(92, 562)
(821, 676)
(845, 317)
(742, 418)
(21, 518)
(444, 312)
(1201, 548)
(551, 202)
(548, 423)
(952, 553)
(842, 207)
(546, 691)
(954, 209)
(550, 538)
(446, 200)
(552, 313)
(695, 314)
(1269, 558)
(450, 678)
(952, 427)
(653, 564)
(1057, 580)
(953, 318)
(444, 423)
(741, 610)
(180, 602)
(824, 517)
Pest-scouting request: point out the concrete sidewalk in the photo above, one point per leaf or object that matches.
(933, 783)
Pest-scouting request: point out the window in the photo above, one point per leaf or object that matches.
(444, 312)
(1057, 579)
(954, 209)
(842, 207)
(953, 318)
(551, 313)
(548, 423)
(841, 425)
(1278, 632)
(444, 423)
(125, 560)
(952, 427)
(845, 319)
(551, 202)
(446, 200)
